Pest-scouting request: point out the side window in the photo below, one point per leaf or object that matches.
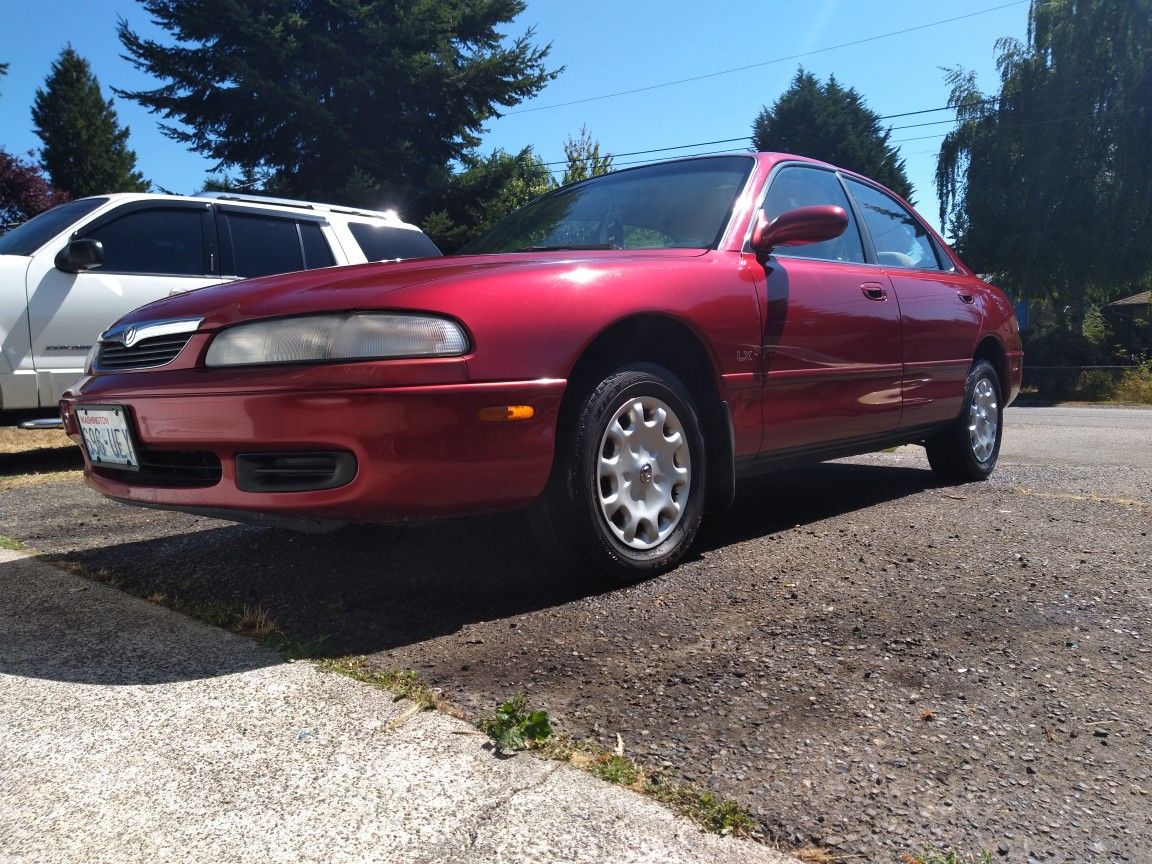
(316, 251)
(383, 242)
(167, 240)
(807, 187)
(262, 245)
(899, 237)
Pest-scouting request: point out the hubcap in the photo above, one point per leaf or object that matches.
(644, 472)
(983, 420)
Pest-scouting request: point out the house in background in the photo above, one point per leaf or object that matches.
(1131, 320)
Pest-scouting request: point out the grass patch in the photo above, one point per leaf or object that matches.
(1135, 386)
(20, 481)
(402, 684)
(711, 813)
(10, 544)
(945, 856)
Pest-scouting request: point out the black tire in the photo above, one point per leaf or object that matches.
(967, 449)
(627, 488)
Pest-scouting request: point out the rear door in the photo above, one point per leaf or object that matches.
(942, 315)
(831, 352)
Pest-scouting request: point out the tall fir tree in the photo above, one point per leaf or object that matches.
(584, 159)
(85, 149)
(24, 191)
(829, 123)
(1048, 182)
(486, 191)
(355, 101)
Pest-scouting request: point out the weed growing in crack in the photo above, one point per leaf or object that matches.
(511, 729)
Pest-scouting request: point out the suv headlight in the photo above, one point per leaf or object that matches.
(336, 337)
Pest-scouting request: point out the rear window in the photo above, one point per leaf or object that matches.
(27, 238)
(384, 242)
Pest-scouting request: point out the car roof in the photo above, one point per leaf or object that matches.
(265, 201)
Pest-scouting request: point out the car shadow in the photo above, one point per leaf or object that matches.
(779, 501)
(367, 589)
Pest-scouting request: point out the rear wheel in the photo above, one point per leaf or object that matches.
(967, 450)
(627, 491)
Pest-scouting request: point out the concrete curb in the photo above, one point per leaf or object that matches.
(131, 733)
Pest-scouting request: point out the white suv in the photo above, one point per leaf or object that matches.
(68, 273)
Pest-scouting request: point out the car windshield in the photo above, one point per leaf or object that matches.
(673, 205)
(27, 238)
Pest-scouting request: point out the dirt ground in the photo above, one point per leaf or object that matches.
(867, 661)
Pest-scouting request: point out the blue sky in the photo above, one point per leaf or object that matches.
(606, 47)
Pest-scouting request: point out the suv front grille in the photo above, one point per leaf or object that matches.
(142, 355)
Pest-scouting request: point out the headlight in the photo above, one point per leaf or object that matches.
(342, 336)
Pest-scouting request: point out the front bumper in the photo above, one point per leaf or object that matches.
(419, 451)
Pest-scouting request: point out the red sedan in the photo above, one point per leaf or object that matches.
(613, 356)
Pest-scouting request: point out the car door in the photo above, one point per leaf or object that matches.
(942, 315)
(151, 249)
(831, 350)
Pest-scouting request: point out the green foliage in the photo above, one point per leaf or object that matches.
(484, 193)
(827, 122)
(1135, 386)
(511, 728)
(356, 101)
(584, 159)
(1049, 182)
(85, 150)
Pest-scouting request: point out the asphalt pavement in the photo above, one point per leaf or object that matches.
(133, 734)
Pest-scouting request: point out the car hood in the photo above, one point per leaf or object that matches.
(373, 286)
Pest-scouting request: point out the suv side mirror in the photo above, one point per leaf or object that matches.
(798, 227)
(80, 255)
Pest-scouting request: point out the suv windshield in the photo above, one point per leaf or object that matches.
(673, 205)
(27, 238)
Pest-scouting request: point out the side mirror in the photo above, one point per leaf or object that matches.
(80, 255)
(798, 227)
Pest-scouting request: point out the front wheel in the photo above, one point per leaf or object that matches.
(626, 495)
(967, 449)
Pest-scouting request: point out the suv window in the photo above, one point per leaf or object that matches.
(899, 238)
(383, 242)
(162, 240)
(27, 238)
(807, 187)
(263, 244)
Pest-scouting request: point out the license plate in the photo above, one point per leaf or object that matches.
(108, 436)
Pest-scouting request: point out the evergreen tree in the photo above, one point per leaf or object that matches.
(1048, 183)
(85, 151)
(584, 159)
(829, 123)
(358, 101)
(484, 193)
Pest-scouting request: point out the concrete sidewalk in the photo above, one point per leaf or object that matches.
(129, 733)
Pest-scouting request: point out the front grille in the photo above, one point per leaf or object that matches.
(145, 354)
(169, 468)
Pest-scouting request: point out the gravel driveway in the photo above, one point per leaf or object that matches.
(866, 660)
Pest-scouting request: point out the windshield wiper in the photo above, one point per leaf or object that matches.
(571, 247)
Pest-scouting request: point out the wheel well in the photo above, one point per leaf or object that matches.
(991, 350)
(673, 345)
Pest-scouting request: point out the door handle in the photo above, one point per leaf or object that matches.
(873, 291)
(965, 297)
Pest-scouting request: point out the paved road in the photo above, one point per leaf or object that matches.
(1079, 436)
(866, 660)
